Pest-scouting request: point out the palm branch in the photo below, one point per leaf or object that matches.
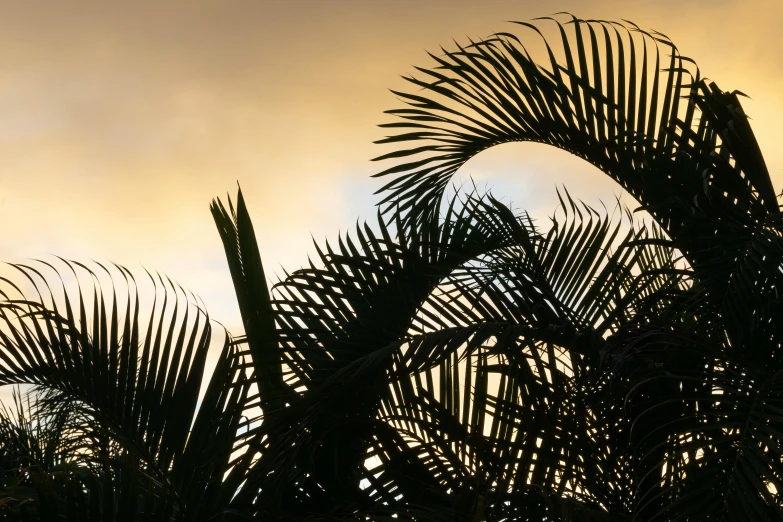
(141, 386)
(456, 360)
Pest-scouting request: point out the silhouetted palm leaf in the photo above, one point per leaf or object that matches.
(685, 151)
(143, 389)
(679, 145)
(456, 361)
(423, 311)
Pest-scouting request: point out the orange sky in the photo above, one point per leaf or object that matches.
(119, 124)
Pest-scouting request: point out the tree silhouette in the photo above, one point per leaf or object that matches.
(455, 361)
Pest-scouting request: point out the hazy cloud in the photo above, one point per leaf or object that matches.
(120, 123)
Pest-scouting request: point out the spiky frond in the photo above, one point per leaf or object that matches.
(141, 385)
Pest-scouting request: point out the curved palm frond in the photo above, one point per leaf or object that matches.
(422, 310)
(458, 362)
(505, 395)
(142, 388)
(332, 319)
(599, 103)
(683, 148)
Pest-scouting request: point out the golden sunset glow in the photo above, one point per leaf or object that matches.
(291, 260)
(120, 124)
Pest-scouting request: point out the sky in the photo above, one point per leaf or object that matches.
(120, 122)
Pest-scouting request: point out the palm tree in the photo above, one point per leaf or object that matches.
(457, 361)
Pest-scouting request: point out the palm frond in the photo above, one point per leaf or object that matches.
(479, 297)
(606, 92)
(704, 428)
(141, 387)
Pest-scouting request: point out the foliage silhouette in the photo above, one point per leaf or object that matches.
(456, 361)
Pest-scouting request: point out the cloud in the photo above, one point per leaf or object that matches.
(120, 123)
